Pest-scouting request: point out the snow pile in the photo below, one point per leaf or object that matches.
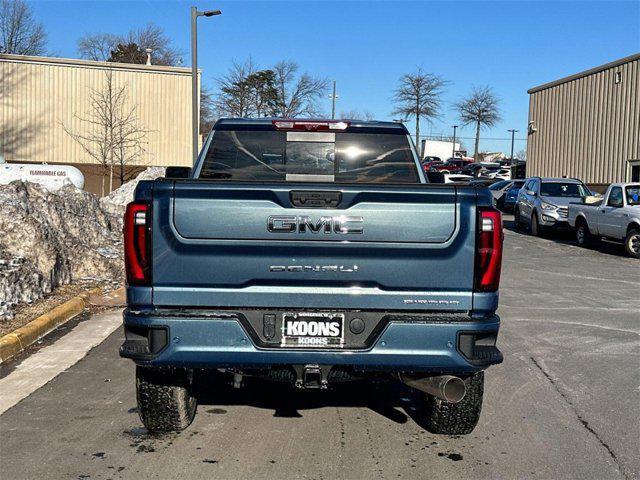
(116, 201)
(49, 239)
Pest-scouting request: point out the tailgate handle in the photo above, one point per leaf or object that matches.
(306, 199)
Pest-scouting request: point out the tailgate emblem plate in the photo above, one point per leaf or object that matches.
(341, 224)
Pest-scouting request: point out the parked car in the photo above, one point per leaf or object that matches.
(497, 189)
(453, 165)
(508, 200)
(543, 203)
(503, 173)
(431, 165)
(427, 161)
(616, 216)
(472, 169)
(487, 170)
(495, 170)
(291, 253)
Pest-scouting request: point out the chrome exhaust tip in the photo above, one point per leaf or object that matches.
(445, 387)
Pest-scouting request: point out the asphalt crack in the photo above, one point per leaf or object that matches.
(583, 422)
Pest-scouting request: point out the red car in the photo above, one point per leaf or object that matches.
(429, 163)
(453, 165)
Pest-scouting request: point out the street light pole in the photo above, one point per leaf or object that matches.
(333, 101)
(453, 149)
(195, 122)
(513, 132)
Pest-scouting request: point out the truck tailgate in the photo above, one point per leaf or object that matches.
(328, 246)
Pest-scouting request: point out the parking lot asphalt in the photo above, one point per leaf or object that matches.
(564, 404)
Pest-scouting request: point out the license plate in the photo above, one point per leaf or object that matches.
(319, 330)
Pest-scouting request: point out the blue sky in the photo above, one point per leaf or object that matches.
(366, 45)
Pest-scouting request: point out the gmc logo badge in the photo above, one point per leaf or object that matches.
(292, 223)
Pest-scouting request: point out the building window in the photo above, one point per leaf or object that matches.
(634, 171)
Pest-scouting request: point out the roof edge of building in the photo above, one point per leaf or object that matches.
(585, 73)
(93, 63)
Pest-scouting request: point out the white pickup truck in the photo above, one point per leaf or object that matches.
(615, 217)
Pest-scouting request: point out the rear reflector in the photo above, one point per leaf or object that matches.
(309, 126)
(488, 250)
(137, 244)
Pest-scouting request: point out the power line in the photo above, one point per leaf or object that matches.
(437, 137)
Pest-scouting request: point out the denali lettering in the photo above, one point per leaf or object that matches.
(313, 268)
(303, 224)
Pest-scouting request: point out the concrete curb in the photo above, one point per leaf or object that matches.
(15, 342)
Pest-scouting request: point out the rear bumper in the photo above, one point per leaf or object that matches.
(217, 341)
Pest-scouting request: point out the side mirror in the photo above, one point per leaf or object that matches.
(531, 192)
(178, 172)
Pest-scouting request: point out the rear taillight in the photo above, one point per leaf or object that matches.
(488, 250)
(137, 243)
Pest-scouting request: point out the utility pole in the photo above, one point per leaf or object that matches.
(333, 101)
(513, 133)
(195, 100)
(453, 148)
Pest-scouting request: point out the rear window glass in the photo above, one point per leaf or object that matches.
(562, 189)
(252, 155)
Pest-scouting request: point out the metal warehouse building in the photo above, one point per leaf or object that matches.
(587, 125)
(40, 97)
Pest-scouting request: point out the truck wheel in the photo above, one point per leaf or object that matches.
(165, 399)
(456, 418)
(583, 235)
(632, 243)
(536, 229)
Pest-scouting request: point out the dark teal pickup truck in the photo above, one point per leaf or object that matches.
(311, 252)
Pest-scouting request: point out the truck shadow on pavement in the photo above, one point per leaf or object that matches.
(391, 399)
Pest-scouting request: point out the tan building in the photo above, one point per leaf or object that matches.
(587, 125)
(45, 102)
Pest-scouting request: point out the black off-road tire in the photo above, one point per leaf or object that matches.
(583, 235)
(456, 418)
(165, 398)
(632, 243)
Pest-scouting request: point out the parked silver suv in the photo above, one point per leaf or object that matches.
(543, 203)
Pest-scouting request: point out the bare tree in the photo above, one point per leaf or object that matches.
(20, 33)
(111, 133)
(522, 154)
(152, 36)
(418, 96)
(482, 107)
(207, 110)
(246, 91)
(357, 115)
(98, 46)
(235, 93)
(297, 95)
